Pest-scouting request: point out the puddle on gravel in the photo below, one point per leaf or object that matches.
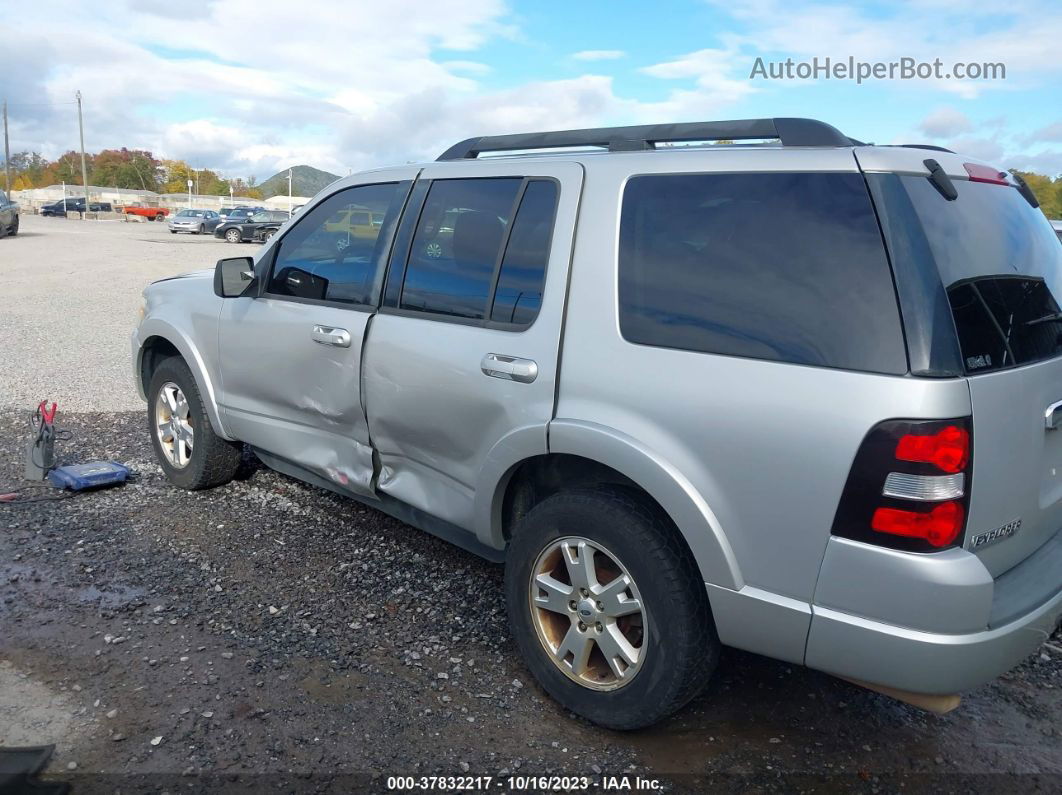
(22, 577)
(333, 687)
(110, 595)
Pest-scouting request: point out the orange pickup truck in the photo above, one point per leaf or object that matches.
(151, 213)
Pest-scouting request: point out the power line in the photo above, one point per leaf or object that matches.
(37, 104)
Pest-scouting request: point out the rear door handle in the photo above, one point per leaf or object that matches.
(329, 335)
(1053, 416)
(509, 368)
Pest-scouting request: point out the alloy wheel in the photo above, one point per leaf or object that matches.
(588, 613)
(173, 425)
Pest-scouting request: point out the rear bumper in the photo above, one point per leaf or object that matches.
(924, 662)
(931, 623)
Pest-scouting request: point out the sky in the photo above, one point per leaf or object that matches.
(249, 87)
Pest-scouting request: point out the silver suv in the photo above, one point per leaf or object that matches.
(800, 396)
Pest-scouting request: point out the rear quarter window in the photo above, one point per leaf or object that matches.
(787, 267)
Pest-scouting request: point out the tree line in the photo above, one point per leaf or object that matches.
(136, 169)
(140, 170)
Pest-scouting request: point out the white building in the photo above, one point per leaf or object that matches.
(33, 199)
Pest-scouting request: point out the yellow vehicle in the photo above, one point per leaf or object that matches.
(358, 221)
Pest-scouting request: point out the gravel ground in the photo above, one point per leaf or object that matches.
(268, 635)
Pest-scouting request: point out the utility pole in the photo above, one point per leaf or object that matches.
(289, 192)
(7, 154)
(84, 171)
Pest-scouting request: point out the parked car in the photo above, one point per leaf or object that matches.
(1057, 226)
(8, 216)
(641, 380)
(195, 221)
(146, 211)
(238, 213)
(260, 226)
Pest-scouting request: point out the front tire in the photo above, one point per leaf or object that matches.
(14, 228)
(202, 229)
(191, 454)
(232, 235)
(608, 607)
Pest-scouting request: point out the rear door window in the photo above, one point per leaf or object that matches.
(786, 267)
(518, 295)
(455, 249)
(1001, 267)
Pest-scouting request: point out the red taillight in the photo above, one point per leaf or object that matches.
(948, 449)
(909, 485)
(980, 173)
(940, 527)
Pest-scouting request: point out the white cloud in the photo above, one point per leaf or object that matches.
(598, 55)
(945, 122)
(1025, 37)
(372, 82)
(1051, 133)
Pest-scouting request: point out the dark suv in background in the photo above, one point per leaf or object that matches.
(8, 216)
(63, 206)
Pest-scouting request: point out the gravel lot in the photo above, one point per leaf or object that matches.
(71, 294)
(267, 635)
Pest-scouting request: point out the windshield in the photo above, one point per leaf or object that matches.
(190, 214)
(1001, 266)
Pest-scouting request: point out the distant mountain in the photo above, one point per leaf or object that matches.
(305, 181)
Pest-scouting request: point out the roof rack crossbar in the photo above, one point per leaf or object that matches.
(790, 131)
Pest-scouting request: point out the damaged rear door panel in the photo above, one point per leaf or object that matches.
(460, 366)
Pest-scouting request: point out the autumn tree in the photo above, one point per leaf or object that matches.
(68, 167)
(1048, 192)
(135, 169)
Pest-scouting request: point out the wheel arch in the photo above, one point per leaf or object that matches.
(161, 341)
(583, 453)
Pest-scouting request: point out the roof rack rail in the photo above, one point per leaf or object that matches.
(930, 147)
(790, 131)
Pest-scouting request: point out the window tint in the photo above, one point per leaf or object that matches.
(456, 245)
(780, 266)
(523, 269)
(1001, 267)
(328, 257)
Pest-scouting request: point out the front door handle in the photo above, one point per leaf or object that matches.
(510, 368)
(1053, 416)
(329, 335)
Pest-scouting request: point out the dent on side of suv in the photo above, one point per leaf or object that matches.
(801, 399)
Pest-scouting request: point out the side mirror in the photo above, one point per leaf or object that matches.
(233, 276)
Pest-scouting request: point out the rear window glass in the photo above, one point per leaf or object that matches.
(780, 266)
(1001, 266)
(523, 268)
(460, 233)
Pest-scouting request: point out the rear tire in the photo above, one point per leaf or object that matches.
(202, 229)
(210, 460)
(233, 236)
(14, 228)
(160, 218)
(679, 647)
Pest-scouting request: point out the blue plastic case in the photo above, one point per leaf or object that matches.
(94, 475)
